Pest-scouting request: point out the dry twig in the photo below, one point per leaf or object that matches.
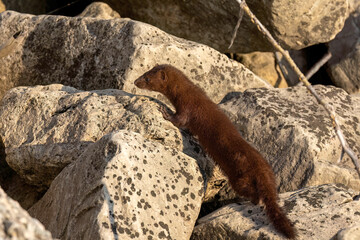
(304, 80)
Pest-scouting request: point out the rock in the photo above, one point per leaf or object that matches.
(124, 186)
(318, 213)
(99, 10)
(15, 187)
(2, 6)
(295, 134)
(349, 233)
(44, 128)
(16, 223)
(89, 53)
(345, 49)
(295, 25)
(264, 65)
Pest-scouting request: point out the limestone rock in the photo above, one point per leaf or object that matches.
(16, 223)
(345, 48)
(295, 134)
(2, 6)
(317, 213)
(124, 186)
(264, 65)
(89, 53)
(349, 233)
(44, 128)
(99, 10)
(295, 24)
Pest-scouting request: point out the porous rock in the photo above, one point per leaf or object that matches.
(89, 54)
(264, 65)
(294, 24)
(348, 233)
(44, 128)
(2, 6)
(345, 48)
(99, 10)
(124, 186)
(295, 134)
(317, 212)
(16, 223)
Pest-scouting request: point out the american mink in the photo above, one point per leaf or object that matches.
(249, 173)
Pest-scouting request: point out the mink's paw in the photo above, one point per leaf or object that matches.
(165, 113)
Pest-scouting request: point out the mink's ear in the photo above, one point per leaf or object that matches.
(163, 75)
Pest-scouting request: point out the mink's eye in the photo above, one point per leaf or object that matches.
(147, 79)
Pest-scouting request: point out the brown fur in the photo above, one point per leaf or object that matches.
(249, 173)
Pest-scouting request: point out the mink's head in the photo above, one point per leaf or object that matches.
(155, 79)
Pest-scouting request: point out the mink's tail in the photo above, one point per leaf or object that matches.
(278, 218)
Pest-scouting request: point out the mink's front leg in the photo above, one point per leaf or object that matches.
(177, 119)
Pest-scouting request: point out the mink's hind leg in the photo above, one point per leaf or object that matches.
(246, 187)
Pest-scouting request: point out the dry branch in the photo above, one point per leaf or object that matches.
(304, 80)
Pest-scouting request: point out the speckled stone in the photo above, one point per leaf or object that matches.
(317, 212)
(295, 134)
(44, 128)
(345, 49)
(89, 54)
(124, 187)
(16, 223)
(295, 24)
(99, 10)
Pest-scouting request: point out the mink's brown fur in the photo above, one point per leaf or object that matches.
(249, 173)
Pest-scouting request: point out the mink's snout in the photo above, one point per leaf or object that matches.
(139, 83)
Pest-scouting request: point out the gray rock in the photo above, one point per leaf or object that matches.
(44, 128)
(349, 233)
(345, 48)
(295, 134)
(99, 10)
(123, 187)
(89, 53)
(16, 223)
(295, 24)
(317, 213)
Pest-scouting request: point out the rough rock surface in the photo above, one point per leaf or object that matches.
(348, 233)
(295, 134)
(124, 186)
(264, 65)
(89, 53)
(16, 223)
(317, 212)
(44, 128)
(99, 10)
(345, 48)
(296, 24)
(2, 6)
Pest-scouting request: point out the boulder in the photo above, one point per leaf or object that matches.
(264, 65)
(89, 53)
(349, 233)
(44, 128)
(317, 212)
(345, 48)
(295, 134)
(124, 187)
(99, 10)
(295, 25)
(16, 223)
(2, 6)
